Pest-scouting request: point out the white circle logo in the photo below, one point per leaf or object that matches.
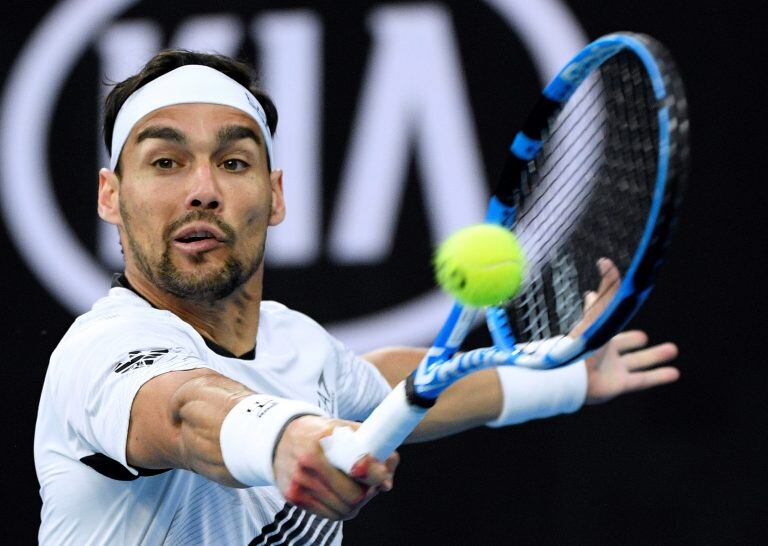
(55, 254)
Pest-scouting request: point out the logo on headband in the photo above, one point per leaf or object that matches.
(379, 140)
(256, 106)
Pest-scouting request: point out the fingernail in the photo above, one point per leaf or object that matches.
(387, 485)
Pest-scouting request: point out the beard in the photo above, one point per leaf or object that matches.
(209, 287)
(197, 286)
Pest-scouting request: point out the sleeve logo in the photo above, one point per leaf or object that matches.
(141, 359)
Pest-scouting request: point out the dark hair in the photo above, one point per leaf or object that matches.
(171, 59)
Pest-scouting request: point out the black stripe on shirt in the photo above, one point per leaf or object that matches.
(282, 530)
(114, 470)
(331, 534)
(269, 528)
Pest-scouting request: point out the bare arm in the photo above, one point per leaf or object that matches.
(470, 402)
(624, 365)
(176, 420)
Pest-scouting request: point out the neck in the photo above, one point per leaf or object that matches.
(230, 322)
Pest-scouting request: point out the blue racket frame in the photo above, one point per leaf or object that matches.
(426, 384)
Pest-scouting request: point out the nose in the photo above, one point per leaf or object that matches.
(204, 193)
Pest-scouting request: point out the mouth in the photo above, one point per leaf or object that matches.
(198, 238)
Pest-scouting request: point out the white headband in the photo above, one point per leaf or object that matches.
(184, 85)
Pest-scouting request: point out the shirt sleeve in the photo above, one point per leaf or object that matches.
(361, 387)
(103, 366)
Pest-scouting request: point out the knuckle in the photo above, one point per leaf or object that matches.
(295, 494)
(307, 461)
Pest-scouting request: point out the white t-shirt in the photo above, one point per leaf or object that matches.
(90, 493)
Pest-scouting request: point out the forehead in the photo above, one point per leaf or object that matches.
(195, 121)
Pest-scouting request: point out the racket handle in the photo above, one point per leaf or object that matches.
(379, 435)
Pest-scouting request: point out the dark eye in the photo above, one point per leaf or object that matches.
(164, 163)
(235, 165)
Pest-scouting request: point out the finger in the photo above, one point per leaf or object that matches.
(652, 356)
(629, 340)
(352, 515)
(371, 471)
(301, 497)
(652, 378)
(391, 463)
(372, 492)
(610, 276)
(590, 298)
(334, 479)
(314, 484)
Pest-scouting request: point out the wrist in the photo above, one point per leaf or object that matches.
(251, 431)
(537, 394)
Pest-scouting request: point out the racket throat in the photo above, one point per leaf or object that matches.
(413, 397)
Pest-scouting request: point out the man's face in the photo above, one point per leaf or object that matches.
(194, 199)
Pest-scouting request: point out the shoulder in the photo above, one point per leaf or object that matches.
(121, 304)
(283, 330)
(275, 316)
(123, 311)
(118, 323)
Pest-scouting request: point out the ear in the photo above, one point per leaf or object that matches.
(109, 197)
(277, 213)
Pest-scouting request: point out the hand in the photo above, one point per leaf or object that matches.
(622, 366)
(307, 480)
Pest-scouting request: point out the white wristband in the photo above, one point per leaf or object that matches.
(250, 432)
(536, 394)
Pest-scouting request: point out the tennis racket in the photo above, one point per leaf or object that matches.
(591, 186)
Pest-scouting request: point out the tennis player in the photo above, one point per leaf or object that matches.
(183, 409)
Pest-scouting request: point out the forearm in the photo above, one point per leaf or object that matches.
(187, 435)
(504, 396)
(496, 397)
(204, 422)
(470, 402)
(203, 404)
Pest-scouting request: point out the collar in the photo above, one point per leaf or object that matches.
(119, 280)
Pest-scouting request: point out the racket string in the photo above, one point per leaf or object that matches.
(589, 196)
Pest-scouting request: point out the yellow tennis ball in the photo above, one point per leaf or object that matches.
(480, 265)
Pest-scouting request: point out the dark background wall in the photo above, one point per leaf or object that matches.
(683, 464)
